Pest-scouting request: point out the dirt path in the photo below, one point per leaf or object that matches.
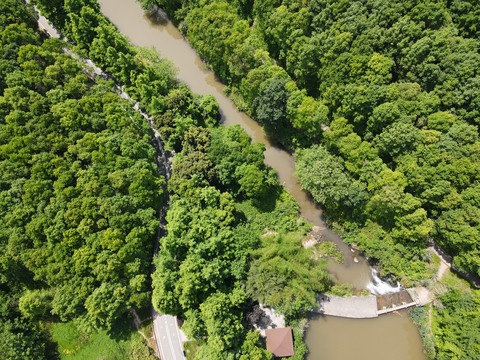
(442, 269)
(445, 260)
(137, 322)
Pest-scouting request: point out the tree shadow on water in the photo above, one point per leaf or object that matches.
(157, 16)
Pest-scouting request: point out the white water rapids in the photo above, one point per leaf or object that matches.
(379, 287)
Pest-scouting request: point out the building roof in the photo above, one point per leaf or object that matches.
(280, 341)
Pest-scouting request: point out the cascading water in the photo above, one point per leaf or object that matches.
(379, 287)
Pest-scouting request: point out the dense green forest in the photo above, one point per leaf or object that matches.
(389, 92)
(81, 194)
(380, 101)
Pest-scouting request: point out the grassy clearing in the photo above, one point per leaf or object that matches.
(113, 345)
(147, 329)
(191, 348)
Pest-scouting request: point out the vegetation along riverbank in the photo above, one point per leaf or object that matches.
(380, 101)
(81, 194)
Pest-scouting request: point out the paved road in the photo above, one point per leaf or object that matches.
(45, 25)
(167, 335)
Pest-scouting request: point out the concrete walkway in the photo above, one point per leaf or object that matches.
(357, 307)
(371, 306)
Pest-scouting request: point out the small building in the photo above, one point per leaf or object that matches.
(280, 341)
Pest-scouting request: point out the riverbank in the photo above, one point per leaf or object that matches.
(132, 21)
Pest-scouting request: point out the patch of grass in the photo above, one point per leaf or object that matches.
(147, 329)
(68, 338)
(191, 348)
(104, 345)
(329, 249)
(342, 290)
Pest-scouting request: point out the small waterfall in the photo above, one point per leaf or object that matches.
(379, 287)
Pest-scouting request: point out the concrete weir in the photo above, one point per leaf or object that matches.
(396, 301)
(362, 307)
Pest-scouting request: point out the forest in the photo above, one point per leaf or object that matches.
(81, 195)
(380, 102)
(378, 99)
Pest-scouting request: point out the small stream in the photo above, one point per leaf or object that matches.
(330, 334)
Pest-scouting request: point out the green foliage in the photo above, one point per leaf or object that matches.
(139, 350)
(251, 182)
(216, 32)
(19, 341)
(286, 276)
(342, 290)
(20, 338)
(456, 326)
(299, 346)
(325, 178)
(420, 316)
(36, 303)
(271, 105)
(239, 164)
(251, 348)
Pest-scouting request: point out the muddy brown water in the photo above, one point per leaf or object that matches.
(161, 34)
(388, 337)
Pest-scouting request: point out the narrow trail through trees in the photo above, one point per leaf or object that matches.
(163, 162)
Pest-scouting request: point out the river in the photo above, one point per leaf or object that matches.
(403, 337)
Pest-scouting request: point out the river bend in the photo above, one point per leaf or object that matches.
(328, 337)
